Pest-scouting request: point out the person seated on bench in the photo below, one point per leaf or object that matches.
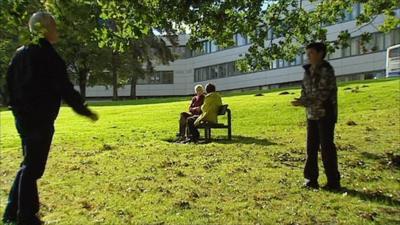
(209, 112)
(194, 109)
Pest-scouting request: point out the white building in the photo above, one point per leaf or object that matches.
(212, 65)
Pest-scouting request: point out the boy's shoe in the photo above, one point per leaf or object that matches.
(34, 220)
(311, 185)
(332, 187)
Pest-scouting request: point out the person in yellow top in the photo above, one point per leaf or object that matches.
(209, 112)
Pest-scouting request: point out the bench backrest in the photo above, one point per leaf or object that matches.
(222, 110)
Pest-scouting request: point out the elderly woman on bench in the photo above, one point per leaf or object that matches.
(209, 113)
(194, 110)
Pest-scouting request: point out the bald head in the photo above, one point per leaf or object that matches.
(44, 23)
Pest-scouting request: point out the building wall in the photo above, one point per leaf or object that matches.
(184, 79)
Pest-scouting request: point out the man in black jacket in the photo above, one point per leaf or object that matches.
(37, 81)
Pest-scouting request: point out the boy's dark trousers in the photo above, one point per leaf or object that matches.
(320, 133)
(23, 200)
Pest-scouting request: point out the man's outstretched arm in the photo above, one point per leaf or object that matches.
(65, 88)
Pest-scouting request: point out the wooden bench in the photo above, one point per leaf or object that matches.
(208, 126)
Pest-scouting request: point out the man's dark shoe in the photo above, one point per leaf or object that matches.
(34, 220)
(7, 219)
(332, 187)
(311, 185)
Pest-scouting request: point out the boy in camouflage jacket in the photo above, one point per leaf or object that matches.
(319, 97)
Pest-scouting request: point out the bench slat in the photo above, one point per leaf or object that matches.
(222, 110)
(210, 125)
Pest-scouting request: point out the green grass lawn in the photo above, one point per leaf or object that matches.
(123, 170)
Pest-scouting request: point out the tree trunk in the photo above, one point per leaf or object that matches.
(114, 76)
(133, 88)
(83, 83)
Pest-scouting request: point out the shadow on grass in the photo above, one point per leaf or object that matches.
(373, 156)
(236, 139)
(388, 159)
(372, 196)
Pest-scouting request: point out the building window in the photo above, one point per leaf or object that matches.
(196, 52)
(297, 61)
(336, 54)
(197, 75)
(346, 51)
(349, 15)
(231, 69)
(240, 40)
(379, 41)
(355, 46)
(285, 63)
(180, 51)
(305, 58)
(213, 72)
(274, 64)
(206, 47)
(222, 70)
(280, 63)
(355, 11)
(396, 37)
(361, 8)
(158, 77)
(167, 77)
(270, 34)
(388, 40)
(213, 46)
(205, 73)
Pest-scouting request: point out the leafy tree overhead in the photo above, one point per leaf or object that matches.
(289, 20)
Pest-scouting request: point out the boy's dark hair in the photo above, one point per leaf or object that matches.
(210, 88)
(319, 47)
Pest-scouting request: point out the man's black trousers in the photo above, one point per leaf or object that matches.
(23, 200)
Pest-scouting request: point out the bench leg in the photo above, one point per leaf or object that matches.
(230, 133)
(207, 134)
